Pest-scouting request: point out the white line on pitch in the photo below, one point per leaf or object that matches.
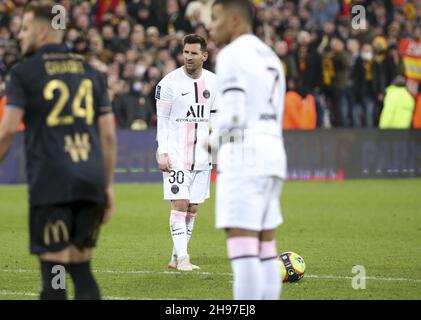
(32, 294)
(311, 276)
(13, 293)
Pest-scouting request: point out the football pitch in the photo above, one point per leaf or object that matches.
(334, 226)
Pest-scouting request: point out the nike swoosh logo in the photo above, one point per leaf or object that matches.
(174, 230)
(183, 94)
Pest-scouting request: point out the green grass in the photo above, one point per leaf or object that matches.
(332, 225)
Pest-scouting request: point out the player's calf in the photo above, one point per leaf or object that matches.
(53, 284)
(178, 232)
(86, 287)
(271, 276)
(190, 219)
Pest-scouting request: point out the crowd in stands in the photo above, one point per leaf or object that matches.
(345, 61)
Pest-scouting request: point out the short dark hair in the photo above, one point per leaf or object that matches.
(244, 5)
(42, 9)
(195, 38)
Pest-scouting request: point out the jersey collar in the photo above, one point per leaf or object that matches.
(57, 48)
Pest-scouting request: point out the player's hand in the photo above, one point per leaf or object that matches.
(164, 162)
(109, 205)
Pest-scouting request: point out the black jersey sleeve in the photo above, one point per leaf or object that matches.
(15, 90)
(104, 100)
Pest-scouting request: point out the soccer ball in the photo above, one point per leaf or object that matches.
(292, 266)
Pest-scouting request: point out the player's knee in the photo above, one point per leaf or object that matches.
(192, 209)
(234, 232)
(180, 205)
(79, 255)
(267, 235)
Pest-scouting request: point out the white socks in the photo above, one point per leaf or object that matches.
(255, 269)
(246, 266)
(178, 232)
(189, 219)
(271, 274)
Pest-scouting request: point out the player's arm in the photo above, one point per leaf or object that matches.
(8, 128)
(106, 126)
(16, 103)
(163, 109)
(109, 146)
(229, 124)
(212, 122)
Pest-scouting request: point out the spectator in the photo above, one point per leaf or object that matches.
(101, 7)
(142, 37)
(138, 38)
(133, 109)
(200, 11)
(81, 46)
(398, 106)
(353, 48)
(109, 39)
(82, 24)
(97, 50)
(194, 13)
(363, 85)
(323, 11)
(123, 35)
(174, 20)
(152, 39)
(288, 61)
(15, 25)
(335, 75)
(309, 67)
(145, 16)
(385, 69)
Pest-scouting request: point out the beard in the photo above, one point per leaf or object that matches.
(29, 51)
(191, 69)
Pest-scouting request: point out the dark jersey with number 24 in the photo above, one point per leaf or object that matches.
(62, 97)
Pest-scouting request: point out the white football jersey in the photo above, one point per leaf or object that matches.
(184, 106)
(251, 92)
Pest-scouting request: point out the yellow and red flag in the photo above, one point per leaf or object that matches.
(410, 51)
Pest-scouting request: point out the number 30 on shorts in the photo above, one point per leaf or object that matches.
(176, 176)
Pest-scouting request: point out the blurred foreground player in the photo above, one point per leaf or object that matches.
(70, 151)
(251, 157)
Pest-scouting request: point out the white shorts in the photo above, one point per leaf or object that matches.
(186, 184)
(250, 203)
